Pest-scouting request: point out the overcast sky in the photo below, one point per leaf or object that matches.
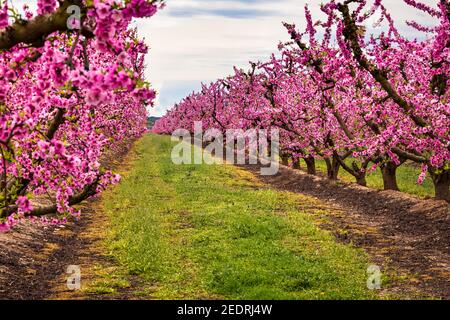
(201, 40)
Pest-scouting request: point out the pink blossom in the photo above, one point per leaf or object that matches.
(24, 204)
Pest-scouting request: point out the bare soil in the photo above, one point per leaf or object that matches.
(34, 259)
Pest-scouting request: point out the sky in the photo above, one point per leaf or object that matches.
(194, 41)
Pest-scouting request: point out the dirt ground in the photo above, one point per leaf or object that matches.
(34, 260)
(409, 238)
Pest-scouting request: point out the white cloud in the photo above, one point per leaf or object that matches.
(199, 40)
(204, 46)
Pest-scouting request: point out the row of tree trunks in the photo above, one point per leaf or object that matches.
(389, 173)
(310, 165)
(296, 164)
(332, 168)
(441, 179)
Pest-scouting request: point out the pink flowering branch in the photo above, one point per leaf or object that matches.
(34, 32)
(67, 99)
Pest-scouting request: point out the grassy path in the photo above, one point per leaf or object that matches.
(214, 232)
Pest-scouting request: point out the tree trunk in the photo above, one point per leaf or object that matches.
(296, 164)
(441, 183)
(285, 160)
(361, 180)
(332, 168)
(310, 165)
(389, 171)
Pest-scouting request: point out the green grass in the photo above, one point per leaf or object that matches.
(406, 179)
(200, 231)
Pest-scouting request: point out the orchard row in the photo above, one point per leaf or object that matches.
(72, 89)
(359, 96)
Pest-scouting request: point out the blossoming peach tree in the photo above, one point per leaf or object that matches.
(357, 99)
(72, 88)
